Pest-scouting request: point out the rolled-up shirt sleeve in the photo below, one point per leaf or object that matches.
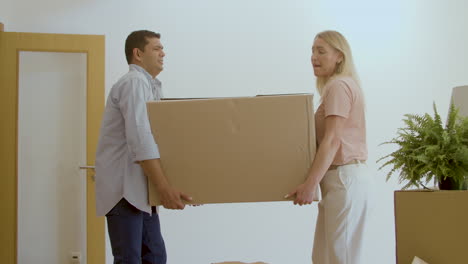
(140, 140)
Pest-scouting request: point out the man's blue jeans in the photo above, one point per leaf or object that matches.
(135, 236)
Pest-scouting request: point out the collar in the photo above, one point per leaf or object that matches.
(140, 69)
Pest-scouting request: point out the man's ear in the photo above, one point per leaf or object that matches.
(136, 54)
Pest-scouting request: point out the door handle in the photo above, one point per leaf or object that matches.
(89, 168)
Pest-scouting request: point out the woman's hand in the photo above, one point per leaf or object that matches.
(304, 193)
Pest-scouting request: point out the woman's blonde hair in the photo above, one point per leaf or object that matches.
(346, 66)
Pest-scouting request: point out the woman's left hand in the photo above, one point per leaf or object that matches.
(304, 194)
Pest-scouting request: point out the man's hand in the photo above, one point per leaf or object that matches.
(172, 199)
(304, 194)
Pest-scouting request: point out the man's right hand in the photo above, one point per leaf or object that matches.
(172, 199)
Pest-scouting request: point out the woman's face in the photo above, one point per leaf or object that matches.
(324, 58)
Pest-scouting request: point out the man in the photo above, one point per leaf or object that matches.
(127, 158)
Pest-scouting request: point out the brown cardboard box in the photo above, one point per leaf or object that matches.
(226, 150)
(432, 225)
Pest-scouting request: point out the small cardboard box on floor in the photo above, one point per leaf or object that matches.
(431, 225)
(229, 150)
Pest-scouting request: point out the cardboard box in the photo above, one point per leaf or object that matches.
(229, 150)
(432, 225)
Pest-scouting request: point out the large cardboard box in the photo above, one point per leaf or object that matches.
(432, 225)
(226, 150)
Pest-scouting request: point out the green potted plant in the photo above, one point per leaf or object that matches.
(429, 150)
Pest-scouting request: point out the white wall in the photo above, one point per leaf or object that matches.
(408, 53)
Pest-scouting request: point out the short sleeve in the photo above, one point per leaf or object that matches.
(338, 99)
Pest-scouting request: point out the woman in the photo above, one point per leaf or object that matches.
(339, 165)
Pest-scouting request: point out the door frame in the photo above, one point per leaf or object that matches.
(11, 44)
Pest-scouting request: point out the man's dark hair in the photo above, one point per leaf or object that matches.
(138, 39)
